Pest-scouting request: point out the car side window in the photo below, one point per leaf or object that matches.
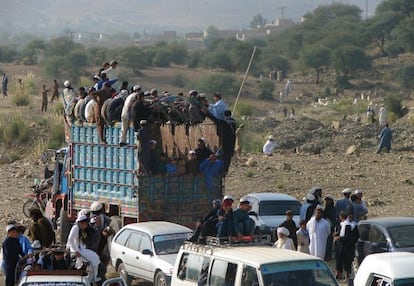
(134, 241)
(377, 236)
(223, 273)
(249, 276)
(363, 230)
(378, 280)
(194, 267)
(123, 237)
(145, 243)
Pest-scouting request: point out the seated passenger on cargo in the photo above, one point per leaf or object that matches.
(77, 246)
(90, 110)
(202, 151)
(211, 168)
(172, 166)
(244, 224)
(226, 226)
(192, 165)
(181, 168)
(54, 260)
(160, 167)
(207, 225)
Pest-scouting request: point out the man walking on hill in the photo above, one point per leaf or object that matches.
(385, 139)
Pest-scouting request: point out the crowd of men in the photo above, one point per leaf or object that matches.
(103, 105)
(86, 244)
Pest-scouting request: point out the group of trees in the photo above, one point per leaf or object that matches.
(332, 36)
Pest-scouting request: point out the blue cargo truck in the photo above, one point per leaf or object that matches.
(87, 171)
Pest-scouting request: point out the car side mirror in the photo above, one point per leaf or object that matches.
(253, 213)
(147, 252)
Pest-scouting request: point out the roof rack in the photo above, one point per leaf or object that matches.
(211, 242)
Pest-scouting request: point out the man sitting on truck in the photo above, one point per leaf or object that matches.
(226, 224)
(244, 224)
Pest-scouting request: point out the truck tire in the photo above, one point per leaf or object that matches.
(160, 279)
(115, 225)
(123, 274)
(28, 205)
(64, 226)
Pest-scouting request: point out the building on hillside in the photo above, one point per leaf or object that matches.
(194, 40)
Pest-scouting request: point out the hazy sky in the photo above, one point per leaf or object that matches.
(100, 16)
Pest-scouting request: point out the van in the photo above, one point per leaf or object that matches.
(389, 268)
(247, 265)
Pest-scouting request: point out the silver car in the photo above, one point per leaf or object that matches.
(269, 210)
(147, 250)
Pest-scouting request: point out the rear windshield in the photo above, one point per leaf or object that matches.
(169, 243)
(298, 273)
(402, 236)
(268, 208)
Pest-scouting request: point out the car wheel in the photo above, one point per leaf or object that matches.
(160, 279)
(123, 274)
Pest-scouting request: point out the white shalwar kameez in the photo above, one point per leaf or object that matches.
(319, 231)
(76, 245)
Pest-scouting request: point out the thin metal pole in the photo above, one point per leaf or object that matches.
(244, 79)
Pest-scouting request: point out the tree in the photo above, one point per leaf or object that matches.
(404, 7)
(226, 84)
(133, 57)
(266, 89)
(316, 57)
(211, 35)
(379, 28)
(347, 60)
(32, 51)
(257, 21)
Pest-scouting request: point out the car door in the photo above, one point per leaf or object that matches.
(131, 256)
(145, 261)
(378, 240)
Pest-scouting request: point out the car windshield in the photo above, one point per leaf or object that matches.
(404, 282)
(402, 236)
(169, 243)
(269, 208)
(298, 273)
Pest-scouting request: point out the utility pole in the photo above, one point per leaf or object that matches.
(282, 9)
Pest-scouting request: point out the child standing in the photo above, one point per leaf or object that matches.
(44, 98)
(12, 251)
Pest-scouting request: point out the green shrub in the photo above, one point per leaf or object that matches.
(249, 173)
(58, 108)
(56, 131)
(394, 104)
(226, 84)
(266, 89)
(21, 99)
(244, 109)
(14, 130)
(178, 80)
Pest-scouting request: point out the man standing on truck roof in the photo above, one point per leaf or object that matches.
(126, 115)
(139, 111)
(218, 107)
(144, 155)
(101, 96)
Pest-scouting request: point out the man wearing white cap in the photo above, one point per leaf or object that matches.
(307, 208)
(319, 230)
(77, 246)
(269, 146)
(359, 194)
(12, 251)
(125, 114)
(344, 204)
(283, 241)
(244, 224)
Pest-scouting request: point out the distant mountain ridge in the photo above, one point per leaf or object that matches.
(48, 17)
